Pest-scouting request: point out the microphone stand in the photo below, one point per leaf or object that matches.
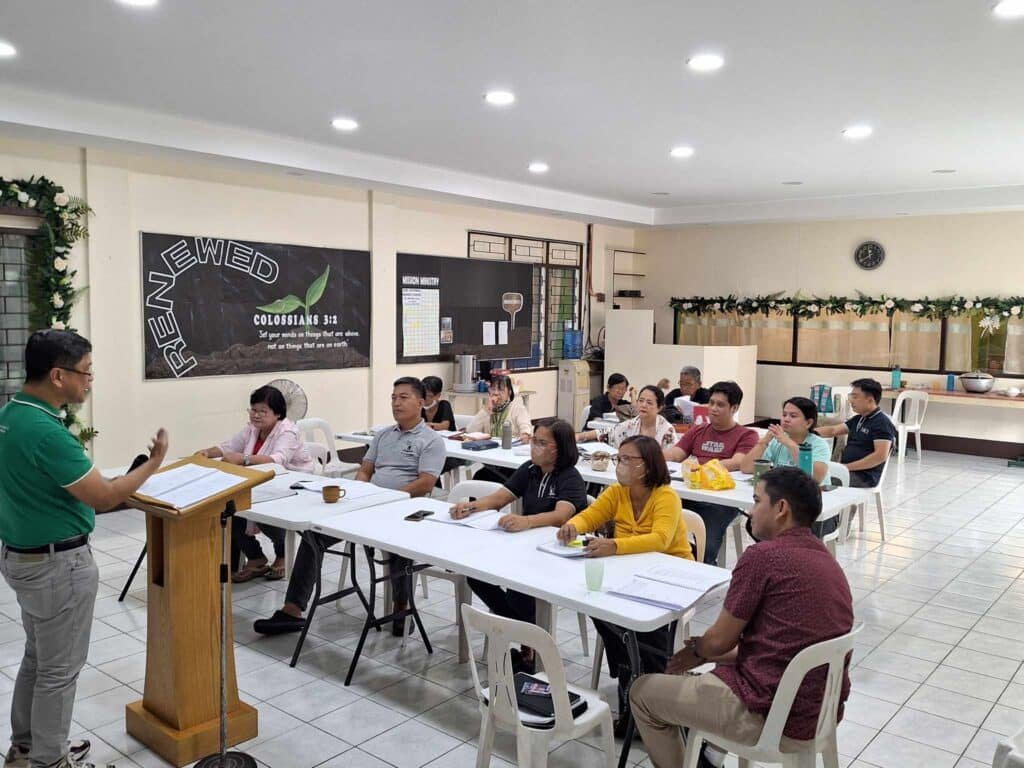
(223, 758)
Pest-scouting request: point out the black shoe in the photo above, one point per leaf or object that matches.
(619, 727)
(280, 623)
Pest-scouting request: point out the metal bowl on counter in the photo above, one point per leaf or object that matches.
(978, 382)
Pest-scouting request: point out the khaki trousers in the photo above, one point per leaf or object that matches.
(662, 704)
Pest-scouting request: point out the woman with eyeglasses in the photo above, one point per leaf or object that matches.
(269, 438)
(648, 517)
(552, 491)
(648, 421)
(501, 408)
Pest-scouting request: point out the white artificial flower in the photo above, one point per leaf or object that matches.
(32, 202)
(57, 301)
(753, 303)
(1006, 313)
(989, 324)
(916, 307)
(717, 305)
(63, 414)
(687, 305)
(889, 304)
(848, 306)
(60, 264)
(771, 304)
(59, 249)
(813, 308)
(1014, 311)
(23, 197)
(61, 199)
(75, 428)
(57, 325)
(968, 305)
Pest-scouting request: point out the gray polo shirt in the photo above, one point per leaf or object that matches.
(399, 457)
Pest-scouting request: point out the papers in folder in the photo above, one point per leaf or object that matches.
(671, 587)
(573, 549)
(482, 521)
(187, 485)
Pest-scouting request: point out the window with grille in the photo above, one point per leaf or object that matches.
(557, 288)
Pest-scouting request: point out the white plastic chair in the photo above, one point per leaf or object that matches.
(879, 504)
(462, 420)
(1010, 752)
(907, 417)
(332, 467)
(319, 455)
(498, 708)
(838, 474)
(695, 527)
(584, 417)
(767, 749)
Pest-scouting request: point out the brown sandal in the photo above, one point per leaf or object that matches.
(274, 572)
(248, 573)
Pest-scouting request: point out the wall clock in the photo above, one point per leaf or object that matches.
(869, 255)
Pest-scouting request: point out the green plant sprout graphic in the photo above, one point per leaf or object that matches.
(291, 302)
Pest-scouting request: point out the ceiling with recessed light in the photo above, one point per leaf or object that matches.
(602, 92)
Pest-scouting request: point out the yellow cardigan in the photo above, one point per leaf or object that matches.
(661, 527)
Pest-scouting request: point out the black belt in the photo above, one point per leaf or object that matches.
(57, 546)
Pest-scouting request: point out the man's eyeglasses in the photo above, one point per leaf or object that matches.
(90, 374)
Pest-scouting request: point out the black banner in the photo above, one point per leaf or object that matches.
(217, 307)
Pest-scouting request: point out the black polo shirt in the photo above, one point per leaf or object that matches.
(863, 431)
(540, 492)
(602, 404)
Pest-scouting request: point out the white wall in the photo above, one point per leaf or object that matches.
(935, 255)
(133, 193)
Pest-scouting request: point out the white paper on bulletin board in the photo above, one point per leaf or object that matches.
(421, 319)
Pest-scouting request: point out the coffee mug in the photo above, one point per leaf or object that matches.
(332, 493)
(599, 461)
(760, 467)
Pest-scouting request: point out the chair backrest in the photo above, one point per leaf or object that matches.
(501, 696)
(1010, 751)
(584, 417)
(310, 429)
(319, 455)
(831, 652)
(841, 402)
(910, 408)
(473, 489)
(838, 473)
(695, 527)
(462, 420)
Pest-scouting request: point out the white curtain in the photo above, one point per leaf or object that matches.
(915, 342)
(845, 339)
(958, 344)
(1014, 360)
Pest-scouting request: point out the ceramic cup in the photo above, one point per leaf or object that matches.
(332, 493)
(599, 460)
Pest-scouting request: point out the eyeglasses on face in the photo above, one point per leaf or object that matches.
(89, 374)
(258, 412)
(627, 460)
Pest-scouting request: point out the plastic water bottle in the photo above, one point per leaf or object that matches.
(506, 436)
(950, 382)
(897, 377)
(806, 459)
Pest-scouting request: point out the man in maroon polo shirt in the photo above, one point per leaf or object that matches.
(787, 593)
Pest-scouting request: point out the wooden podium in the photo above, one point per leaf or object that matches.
(179, 714)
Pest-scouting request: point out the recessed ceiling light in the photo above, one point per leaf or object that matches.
(944, 170)
(139, 3)
(1009, 9)
(901, 213)
(857, 132)
(792, 183)
(705, 62)
(344, 124)
(538, 166)
(500, 98)
(7, 50)
(681, 152)
(661, 194)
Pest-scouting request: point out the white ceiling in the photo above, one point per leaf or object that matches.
(603, 94)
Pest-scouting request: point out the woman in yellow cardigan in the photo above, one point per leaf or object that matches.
(648, 517)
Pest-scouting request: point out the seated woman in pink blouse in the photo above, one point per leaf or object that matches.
(268, 438)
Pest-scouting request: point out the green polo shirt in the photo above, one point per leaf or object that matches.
(39, 460)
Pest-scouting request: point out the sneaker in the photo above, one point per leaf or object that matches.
(17, 756)
(279, 624)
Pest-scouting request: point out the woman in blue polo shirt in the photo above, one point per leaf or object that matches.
(781, 443)
(552, 491)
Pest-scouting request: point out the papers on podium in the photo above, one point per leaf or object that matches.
(187, 484)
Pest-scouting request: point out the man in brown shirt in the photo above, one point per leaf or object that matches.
(787, 593)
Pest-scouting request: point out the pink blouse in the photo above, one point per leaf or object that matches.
(284, 445)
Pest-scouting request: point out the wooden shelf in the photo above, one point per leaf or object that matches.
(628, 274)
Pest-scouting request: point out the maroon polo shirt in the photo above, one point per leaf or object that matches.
(792, 593)
(705, 442)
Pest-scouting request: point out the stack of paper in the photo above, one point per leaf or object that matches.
(188, 484)
(482, 521)
(657, 593)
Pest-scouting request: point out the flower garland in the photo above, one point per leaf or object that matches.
(809, 307)
(51, 292)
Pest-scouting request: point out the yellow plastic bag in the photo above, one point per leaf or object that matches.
(715, 477)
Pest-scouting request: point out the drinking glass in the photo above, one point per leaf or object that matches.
(594, 567)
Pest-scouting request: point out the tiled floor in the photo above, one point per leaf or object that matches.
(937, 677)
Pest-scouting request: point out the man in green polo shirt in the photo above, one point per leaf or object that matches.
(48, 491)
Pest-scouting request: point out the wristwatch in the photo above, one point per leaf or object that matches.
(246, 459)
(692, 643)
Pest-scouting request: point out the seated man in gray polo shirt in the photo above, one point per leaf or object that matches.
(407, 457)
